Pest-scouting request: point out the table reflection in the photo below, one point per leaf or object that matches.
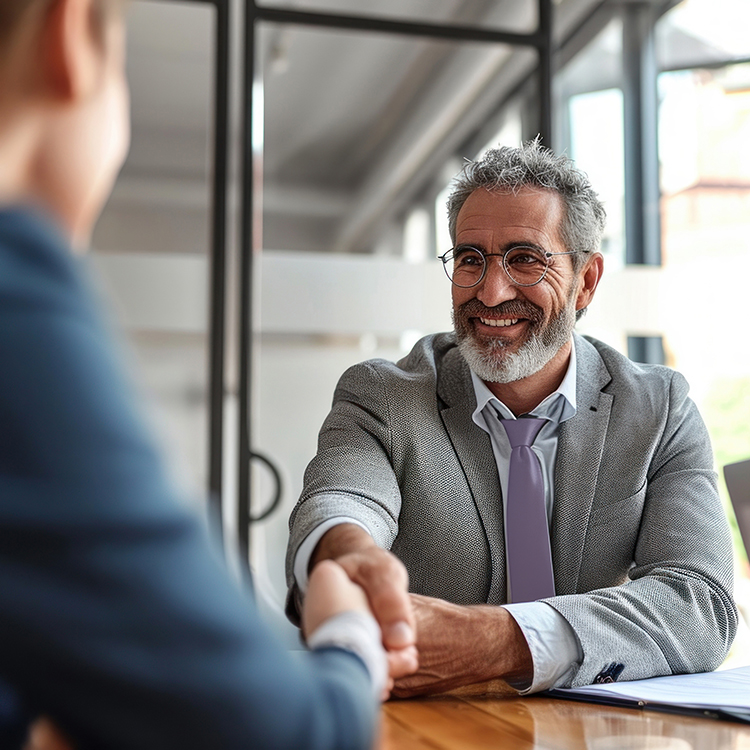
(466, 723)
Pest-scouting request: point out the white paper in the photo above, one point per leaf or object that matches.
(728, 689)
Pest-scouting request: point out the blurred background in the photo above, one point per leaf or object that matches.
(355, 136)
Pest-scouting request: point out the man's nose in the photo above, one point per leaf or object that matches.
(496, 287)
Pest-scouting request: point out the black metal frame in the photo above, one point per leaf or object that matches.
(640, 103)
(217, 307)
(540, 40)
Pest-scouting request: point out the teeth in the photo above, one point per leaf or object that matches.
(499, 323)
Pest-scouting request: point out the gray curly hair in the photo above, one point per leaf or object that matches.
(509, 169)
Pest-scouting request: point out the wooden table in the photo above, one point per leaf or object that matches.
(486, 723)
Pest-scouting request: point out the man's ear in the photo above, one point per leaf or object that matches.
(70, 54)
(589, 280)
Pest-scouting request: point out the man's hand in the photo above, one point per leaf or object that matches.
(330, 592)
(44, 735)
(461, 645)
(385, 582)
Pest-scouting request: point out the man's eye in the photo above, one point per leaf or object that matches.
(524, 257)
(468, 258)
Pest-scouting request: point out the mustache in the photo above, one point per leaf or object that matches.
(511, 309)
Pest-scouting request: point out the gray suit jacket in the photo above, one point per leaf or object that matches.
(640, 544)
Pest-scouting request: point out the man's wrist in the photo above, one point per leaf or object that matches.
(342, 539)
(359, 633)
(497, 647)
(555, 649)
(461, 645)
(513, 661)
(303, 558)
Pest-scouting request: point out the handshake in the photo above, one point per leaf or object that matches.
(431, 645)
(370, 580)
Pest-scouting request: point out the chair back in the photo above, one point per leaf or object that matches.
(737, 477)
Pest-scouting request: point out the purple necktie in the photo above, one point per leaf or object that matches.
(529, 556)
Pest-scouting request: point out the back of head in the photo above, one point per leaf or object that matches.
(15, 13)
(11, 12)
(64, 127)
(532, 165)
(12, 15)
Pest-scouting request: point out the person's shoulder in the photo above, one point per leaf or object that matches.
(418, 369)
(36, 266)
(626, 374)
(423, 361)
(27, 234)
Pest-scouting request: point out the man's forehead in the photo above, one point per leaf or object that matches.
(526, 194)
(529, 208)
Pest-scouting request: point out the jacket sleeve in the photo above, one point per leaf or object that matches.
(675, 614)
(118, 619)
(351, 474)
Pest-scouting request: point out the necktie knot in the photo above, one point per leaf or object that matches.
(522, 431)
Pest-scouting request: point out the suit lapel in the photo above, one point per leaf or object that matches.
(577, 467)
(474, 452)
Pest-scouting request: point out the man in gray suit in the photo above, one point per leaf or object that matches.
(409, 488)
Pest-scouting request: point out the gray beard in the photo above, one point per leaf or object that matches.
(489, 360)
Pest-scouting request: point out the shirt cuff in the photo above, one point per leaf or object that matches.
(359, 633)
(555, 649)
(310, 542)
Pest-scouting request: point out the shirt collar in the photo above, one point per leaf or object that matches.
(558, 407)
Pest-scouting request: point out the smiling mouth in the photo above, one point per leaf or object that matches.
(499, 323)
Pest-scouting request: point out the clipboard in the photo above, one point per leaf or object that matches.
(718, 714)
(723, 695)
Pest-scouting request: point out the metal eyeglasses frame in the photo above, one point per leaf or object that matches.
(449, 255)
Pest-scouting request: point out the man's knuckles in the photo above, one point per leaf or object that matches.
(375, 569)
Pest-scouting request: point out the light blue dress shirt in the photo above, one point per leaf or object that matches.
(554, 646)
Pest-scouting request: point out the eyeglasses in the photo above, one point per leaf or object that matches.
(466, 266)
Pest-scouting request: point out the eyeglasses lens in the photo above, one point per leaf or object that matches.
(525, 265)
(466, 267)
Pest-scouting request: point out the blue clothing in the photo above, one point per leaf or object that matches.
(117, 617)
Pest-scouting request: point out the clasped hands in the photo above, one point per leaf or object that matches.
(432, 645)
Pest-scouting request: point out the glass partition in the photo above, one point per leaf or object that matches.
(704, 121)
(151, 245)
(347, 270)
(589, 90)
(705, 166)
